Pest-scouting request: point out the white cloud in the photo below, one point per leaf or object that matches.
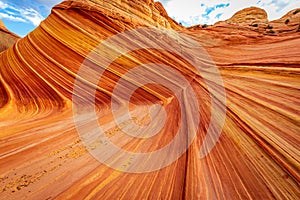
(191, 12)
(3, 5)
(48, 3)
(11, 17)
(13, 13)
(32, 15)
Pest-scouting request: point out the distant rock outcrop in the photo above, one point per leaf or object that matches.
(288, 23)
(7, 38)
(256, 20)
(252, 15)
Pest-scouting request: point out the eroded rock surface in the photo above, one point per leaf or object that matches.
(249, 16)
(42, 156)
(7, 38)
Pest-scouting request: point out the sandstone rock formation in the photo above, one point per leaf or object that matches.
(42, 156)
(2, 24)
(254, 23)
(7, 38)
(288, 23)
(249, 16)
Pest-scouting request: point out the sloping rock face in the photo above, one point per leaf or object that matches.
(7, 38)
(44, 112)
(1, 24)
(128, 13)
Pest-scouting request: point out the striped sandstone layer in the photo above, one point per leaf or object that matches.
(42, 156)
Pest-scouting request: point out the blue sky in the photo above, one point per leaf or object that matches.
(192, 12)
(22, 16)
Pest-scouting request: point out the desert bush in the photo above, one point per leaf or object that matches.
(287, 21)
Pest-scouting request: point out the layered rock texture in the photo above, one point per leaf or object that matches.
(249, 16)
(7, 38)
(256, 157)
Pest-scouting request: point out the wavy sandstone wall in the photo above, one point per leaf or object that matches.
(42, 156)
